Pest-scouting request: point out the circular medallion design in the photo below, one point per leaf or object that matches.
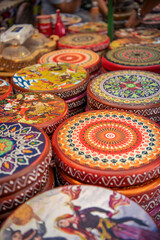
(90, 41)
(107, 140)
(50, 77)
(86, 215)
(85, 58)
(134, 56)
(33, 108)
(20, 146)
(127, 87)
(87, 27)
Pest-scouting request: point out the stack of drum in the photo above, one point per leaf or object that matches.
(128, 90)
(91, 41)
(132, 58)
(88, 59)
(45, 111)
(113, 149)
(80, 212)
(25, 153)
(68, 81)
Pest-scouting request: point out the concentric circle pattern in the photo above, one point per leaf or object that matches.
(85, 58)
(134, 56)
(109, 140)
(126, 88)
(102, 147)
(91, 41)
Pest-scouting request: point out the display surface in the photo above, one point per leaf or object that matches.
(42, 110)
(85, 58)
(139, 57)
(113, 148)
(78, 213)
(91, 41)
(60, 79)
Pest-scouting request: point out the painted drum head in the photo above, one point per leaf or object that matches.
(130, 90)
(67, 19)
(132, 58)
(89, 27)
(5, 89)
(45, 111)
(65, 80)
(85, 58)
(25, 154)
(76, 212)
(108, 148)
(91, 41)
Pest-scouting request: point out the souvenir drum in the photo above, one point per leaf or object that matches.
(146, 195)
(25, 153)
(76, 212)
(89, 27)
(45, 111)
(91, 41)
(132, 58)
(5, 89)
(139, 32)
(85, 58)
(108, 148)
(67, 19)
(130, 90)
(24, 196)
(65, 80)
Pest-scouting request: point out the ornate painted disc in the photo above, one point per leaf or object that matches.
(91, 41)
(141, 57)
(85, 58)
(78, 213)
(25, 153)
(67, 19)
(89, 27)
(46, 111)
(130, 90)
(115, 148)
(65, 80)
(5, 89)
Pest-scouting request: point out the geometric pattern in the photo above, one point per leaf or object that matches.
(20, 145)
(134, 56)
(129, 88)
(108, 140)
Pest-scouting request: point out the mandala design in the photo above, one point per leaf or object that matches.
(85, 58)
(32, 108)
(127, 87)
(134, 56)
(83, 39)
(50, 76)
(109, 140)
(20, 146)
